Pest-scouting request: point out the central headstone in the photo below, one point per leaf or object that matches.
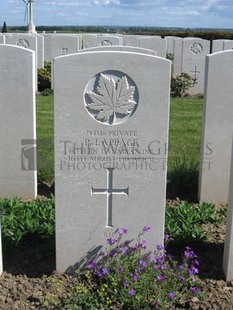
(111, 134)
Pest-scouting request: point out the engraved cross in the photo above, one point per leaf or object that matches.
(195, 72)
(109, 191)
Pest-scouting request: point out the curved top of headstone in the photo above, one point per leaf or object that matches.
(121, 48)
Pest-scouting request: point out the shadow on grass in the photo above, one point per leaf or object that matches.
(33, 257)
(210, 256)
(182, 180)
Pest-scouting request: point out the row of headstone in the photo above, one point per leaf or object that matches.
(107, 163)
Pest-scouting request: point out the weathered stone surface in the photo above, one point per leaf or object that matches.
(110, 157)
(217, 129)
(17, 122)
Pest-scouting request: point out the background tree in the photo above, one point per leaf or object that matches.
(4, 27)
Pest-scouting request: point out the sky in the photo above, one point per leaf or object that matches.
(158, 13)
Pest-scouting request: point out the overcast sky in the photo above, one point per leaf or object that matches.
(163, 13)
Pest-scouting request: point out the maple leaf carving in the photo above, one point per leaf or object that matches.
(113, 99)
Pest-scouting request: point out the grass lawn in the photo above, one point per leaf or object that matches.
(184, 136)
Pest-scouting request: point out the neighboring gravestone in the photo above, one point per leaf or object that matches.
(63, 45)
(40, 51)
(228, 245)
(47, 46)
(86, 39)
(171, 44)
(111, 134)
(130, 40)
(221, 45)
(17, 123)
(102, 41)
(34, 42)
(1, 267)
(217, 129)
(153, 43)
(190, 58)
(121, 48)
(2, 39)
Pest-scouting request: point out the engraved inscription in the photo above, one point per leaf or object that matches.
(23, 43)
(109, 191)
(113, 98)
(195, 72)
(196, 48)
(64, 50)
(106, 43)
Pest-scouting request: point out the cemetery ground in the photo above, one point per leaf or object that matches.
(29, 280)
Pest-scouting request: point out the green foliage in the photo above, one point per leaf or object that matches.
(4, 28)
(20, 219)
(170, 56)
(45, 140)
(44, 77)
(184, 222)
(181, 84)
(47, 92)
(127, 276)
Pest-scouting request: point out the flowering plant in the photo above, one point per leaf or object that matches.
(130, 277)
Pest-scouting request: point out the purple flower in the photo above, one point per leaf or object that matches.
(156, 259)
(131, 292)
(189, 253)
(102, 254)
(192, 271)
(182, 279)
(160, 247)
(160, 277)
(92, 265)
(121, 231)
(111, 241)
(113, 253)
(166, 237)
(125, 283)
(136, 246)
(146, 228)
(157, 304)
(98, 273)
(135, 277)
(171, 295)
(123, 250)
(105, 271)
(142, 263)
(143, 244)
(194, 289)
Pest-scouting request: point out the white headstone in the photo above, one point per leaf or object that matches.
(47, 46)
(1, 265)
(171, 44)
(221, 45)
(192, 60)
(58, 45)
(111, 132)
(121, 48)
(17, 123)
(130, 40)
(153, 43)
(2, 39)
(228, 245)
(217, 128)
(102, 41)
(27, 41)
